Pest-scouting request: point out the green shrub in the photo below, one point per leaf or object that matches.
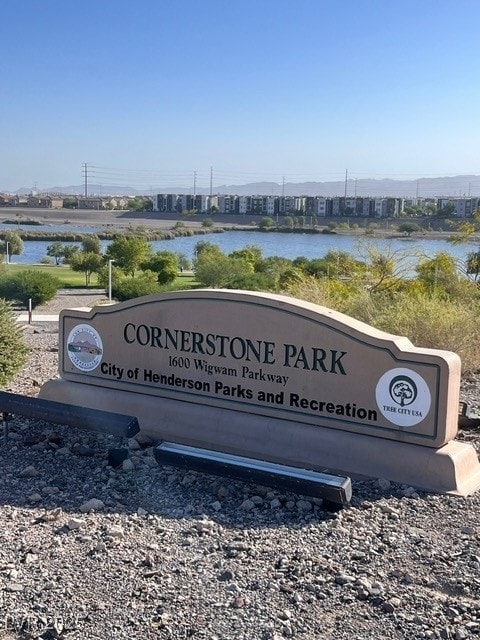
(429, 321)
(37, 286)
(434, 322)
(129, 288)
(13, 351)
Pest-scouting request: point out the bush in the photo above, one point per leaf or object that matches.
(434, 322)
(129, 288)
(28, 285)
(429, 321)
(13, 351)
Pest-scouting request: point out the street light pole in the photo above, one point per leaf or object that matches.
(8, 257)
(110, 262)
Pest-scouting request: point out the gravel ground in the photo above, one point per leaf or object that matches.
(87, 551)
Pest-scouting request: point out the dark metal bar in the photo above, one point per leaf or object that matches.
(466, 418)
(336, 489)
(72, 415)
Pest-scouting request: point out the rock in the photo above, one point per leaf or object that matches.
(217, 506)
(127, 465)
(141, 511)
(342, 579)
(376, 588)
(75, 523)
(29, 472)
(247, 505)
(238, 602)
(391, 605)
(304, 505)
(225, 576)
(82, 450)
(469, 531)
(116, 532)
(92, 505)
(63, 451)
(383, 484)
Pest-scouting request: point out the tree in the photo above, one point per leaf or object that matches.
(12, 244)
(37, 286)
(204, 245)
(207, 223)
(251, 254)
(288, 222)
(184, 263)
(69, 251)
(266, 224)
(299, 221)
(91, 244)
(407, 228)
(439, 273)
(129, 252)
(164, 264)
(473, 264)
(13, 351)
(215, 269)
(70, 203)
(140, 204)
(446, 211)
(86, 263)
(56, 250)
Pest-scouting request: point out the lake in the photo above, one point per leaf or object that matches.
(280, 244)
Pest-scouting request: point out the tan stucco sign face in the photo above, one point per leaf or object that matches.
(268, 355)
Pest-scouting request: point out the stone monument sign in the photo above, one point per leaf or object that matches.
(271, 377)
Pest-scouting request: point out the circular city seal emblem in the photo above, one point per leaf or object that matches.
(403, 397)
(84, 347)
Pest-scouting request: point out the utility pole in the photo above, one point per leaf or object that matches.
(356, 179)
(211, 181)
(346, 180)
(85, 178)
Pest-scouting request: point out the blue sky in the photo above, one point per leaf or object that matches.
(148, 91)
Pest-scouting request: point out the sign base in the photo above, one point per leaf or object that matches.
(452, 468)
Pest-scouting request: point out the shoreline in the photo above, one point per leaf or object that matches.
(118, 221)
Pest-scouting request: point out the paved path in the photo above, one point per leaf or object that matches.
(38, 317)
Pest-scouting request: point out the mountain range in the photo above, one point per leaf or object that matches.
(453, 186)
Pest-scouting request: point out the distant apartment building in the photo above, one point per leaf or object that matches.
(8, 201)
(45, 202)
(315, 206)
(464, 207)
(90, 202)
(285, 205)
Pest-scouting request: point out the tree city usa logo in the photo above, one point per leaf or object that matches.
(403, 397)
(403, 390)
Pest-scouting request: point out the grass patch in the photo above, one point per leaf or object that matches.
(72, 280)
(68, 279)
